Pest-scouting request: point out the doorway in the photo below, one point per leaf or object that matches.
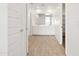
(46, 22)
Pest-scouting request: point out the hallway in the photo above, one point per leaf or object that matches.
(44, 46)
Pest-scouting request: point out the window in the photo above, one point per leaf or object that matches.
(44, 19)
(47, 20)
(41, 19)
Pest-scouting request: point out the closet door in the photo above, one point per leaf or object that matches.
(16, 29)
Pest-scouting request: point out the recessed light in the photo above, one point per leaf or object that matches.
(38, 10)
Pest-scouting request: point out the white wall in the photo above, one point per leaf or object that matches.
(43, 30)
(72, 29)
(3, 29)
(58, 25)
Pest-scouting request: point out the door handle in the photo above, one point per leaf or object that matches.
(21, 30)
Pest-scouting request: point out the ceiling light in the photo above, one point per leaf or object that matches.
(49, 11)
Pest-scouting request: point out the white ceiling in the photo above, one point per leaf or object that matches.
(44, 5)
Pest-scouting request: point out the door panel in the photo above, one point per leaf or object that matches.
(16, 29)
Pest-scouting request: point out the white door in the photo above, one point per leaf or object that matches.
(17, 29)
(72, 29)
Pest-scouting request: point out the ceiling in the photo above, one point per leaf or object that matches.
(45, 6)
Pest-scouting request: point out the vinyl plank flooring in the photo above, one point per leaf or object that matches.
(44, 46)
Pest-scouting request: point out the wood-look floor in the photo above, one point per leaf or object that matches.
(44, 46)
